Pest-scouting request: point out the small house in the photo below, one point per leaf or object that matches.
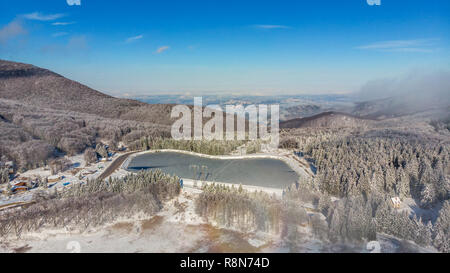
(54, 179)
(21, 184)
(19, 189)
(396, 202)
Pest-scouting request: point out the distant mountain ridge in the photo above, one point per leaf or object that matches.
(325, 120)
(396, 107)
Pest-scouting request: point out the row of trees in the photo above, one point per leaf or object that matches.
(380, 161)
(237, 208)
(155, 182)
(360, 218)
(350, 220)
(91, 155)
(397, 167)
(254, 147)
(92, 204)
(213, 147)
(19, 146)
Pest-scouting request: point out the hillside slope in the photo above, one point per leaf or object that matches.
(43, 114)
(41, 87)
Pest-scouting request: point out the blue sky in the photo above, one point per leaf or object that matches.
(241, 47)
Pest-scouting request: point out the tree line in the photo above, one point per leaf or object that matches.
(92, 204)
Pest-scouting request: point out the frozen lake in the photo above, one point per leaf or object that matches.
(263, 172)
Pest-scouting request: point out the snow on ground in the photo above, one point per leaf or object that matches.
(413, 208)
(177, 228)
(84, 172)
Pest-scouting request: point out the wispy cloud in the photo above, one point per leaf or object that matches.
(271, 26)
(11, 30)
(134, 38)
(162, 49)
(62, 23)
(74, 2)
(59, 34)
(42, 17)
(417, 45)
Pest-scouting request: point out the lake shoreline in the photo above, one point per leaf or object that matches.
(283, 157)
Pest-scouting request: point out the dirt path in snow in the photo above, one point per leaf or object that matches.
(115, 165)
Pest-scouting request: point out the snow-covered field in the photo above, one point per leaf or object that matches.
(176, 228)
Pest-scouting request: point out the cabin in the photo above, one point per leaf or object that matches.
(28, 183)
(21, 184)
(54, 179)
(19, 189)
(396, 202)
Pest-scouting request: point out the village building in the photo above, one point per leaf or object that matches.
(396, 202)
(19, 189)
(54, 179)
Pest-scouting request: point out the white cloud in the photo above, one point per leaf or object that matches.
(418, 45)
(418, 88)
(11, 30)
(62, 23)
(272, 26)
(42, 17)
(134, 38)
(74, 2)
(59, 34)
(162, 49)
